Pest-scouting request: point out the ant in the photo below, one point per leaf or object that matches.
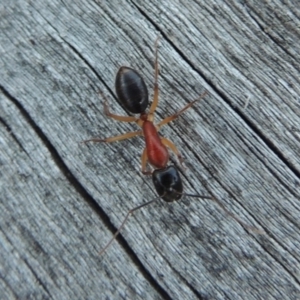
(132, 94)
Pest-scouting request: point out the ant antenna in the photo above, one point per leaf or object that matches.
(131, 211)
(124, 221)
(221, 205)
(232, 215)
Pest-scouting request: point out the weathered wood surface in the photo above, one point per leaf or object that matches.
(61, 201)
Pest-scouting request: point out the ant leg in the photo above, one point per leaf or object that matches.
(155, 97)
(117, 117)
(177, 114)
(125, 136)
(170, 145)
(144, 160)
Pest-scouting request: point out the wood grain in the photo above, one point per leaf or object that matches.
(61, 201)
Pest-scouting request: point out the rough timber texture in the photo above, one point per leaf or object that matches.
(61, 201)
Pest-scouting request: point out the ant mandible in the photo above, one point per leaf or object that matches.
(132, 94)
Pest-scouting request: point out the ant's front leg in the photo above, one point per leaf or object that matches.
(144, 160)
(170, 145)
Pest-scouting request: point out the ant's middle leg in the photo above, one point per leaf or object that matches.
(177, 114)
(121, 137)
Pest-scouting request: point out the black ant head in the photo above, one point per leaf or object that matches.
(167, 183)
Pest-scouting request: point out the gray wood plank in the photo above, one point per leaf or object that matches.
(61, 201)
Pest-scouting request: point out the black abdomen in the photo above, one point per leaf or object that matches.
(131, 90)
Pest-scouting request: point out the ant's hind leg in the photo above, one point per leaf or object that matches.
(155, 97)
(117, 117)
